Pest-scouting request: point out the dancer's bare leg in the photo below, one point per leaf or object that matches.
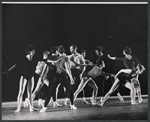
(29, 91)
(26, 102)
(22, 85)
(138, 90)
(95, 90)
(132, 92)
(94, 86)
(56, 104)
(84, 100)
(81, 86)
(37, 89)
(124, 71)
(112, 89)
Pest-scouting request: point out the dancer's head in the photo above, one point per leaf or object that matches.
(46, 54)
(83, 53)
(60, 49)
(30, 50)
(53, 50)
(73, 48)
(127, 51)
(98, 50)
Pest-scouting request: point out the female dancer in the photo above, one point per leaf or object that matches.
(124, 76)
(42, 70)
(27, 72)
(83, 54)
(39, 69)
(63, 71)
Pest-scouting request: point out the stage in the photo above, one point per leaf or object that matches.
(113, 109)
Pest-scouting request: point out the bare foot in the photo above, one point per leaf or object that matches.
(18, 110)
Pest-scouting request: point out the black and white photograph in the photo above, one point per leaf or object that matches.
(74, 61)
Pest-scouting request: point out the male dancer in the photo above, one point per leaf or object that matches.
(101, 58)
(76, 70)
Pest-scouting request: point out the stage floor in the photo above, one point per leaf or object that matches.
(113, 109)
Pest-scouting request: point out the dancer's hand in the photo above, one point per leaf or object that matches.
(107, 77)
(112, 58)
(90, 63)
(109, 56)
(112, 75)
(80, 76)
(72, 81)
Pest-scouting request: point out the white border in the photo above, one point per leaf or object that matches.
(74, 2)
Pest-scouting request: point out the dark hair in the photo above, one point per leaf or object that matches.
(61, 49)
(53, 50)
(127, 50)
(99, 48)
(82, 51)
(74, 46)
(29, 48)
(46, 52)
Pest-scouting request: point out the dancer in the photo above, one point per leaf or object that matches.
(27, 68)
(39, 71)
(134, 68)
(83, 54)
(51, 74)
(123, 77)
(76, 70)
(101, 58)
(63, 71)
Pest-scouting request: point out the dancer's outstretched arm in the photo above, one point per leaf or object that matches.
(11, 68)
(53, 62)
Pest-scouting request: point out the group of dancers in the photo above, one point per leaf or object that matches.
(73, 72)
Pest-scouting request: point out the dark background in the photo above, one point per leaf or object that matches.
(111, 26)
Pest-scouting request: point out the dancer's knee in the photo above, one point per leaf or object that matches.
(95, 88)
(110, 92)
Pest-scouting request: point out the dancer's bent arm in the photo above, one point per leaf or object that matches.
(69, 72)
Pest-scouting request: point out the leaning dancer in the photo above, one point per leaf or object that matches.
(27, 68)
(123, 77)
(63, 71)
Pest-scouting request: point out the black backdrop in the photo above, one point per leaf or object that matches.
(111, 26)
